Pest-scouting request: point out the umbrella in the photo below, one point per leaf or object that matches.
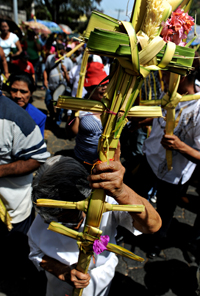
(65, 28)
(13, 27)
(191, 36)
(53, 27)
(37, 27)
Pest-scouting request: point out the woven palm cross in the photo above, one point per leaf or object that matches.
(169, 102)
(138, 49)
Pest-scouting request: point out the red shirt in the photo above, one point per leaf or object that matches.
(24, 66)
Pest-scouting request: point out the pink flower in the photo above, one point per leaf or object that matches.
(100, 244)
(177, 27)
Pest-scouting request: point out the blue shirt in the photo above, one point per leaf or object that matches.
(38, 116)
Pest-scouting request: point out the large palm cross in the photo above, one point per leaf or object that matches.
(135, 57)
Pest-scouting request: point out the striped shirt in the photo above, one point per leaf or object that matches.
(20, 139)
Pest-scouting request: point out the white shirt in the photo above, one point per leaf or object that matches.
(74, 75)
(55, 75)
(65, 250)
(188, 131)
(7, 44)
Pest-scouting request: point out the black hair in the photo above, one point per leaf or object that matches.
(59, 46)
(4, 21)
(22, 76)
(60, 178)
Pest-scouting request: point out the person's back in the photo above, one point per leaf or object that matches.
(19, 139)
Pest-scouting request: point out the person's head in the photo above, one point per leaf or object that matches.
(61, 178)
(60, 49)
(43, 36)
(31, 34)
(24, 56)
(187, 83)
(49, 42)
(60, 36)
(94, 75)
(21, 88)
(4, 27)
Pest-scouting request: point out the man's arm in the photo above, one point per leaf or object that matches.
(19, 168)
(172, 142)
(65, 273)
(110, 178)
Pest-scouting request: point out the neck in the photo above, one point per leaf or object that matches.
(186, 88)
(4, 34)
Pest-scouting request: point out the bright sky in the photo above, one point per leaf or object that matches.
(110, 7)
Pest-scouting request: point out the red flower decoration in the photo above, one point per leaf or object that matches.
(177, 27)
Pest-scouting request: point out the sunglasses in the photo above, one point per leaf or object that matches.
(15, 90)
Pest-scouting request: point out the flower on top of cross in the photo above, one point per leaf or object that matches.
(177, 27)
(100, 244)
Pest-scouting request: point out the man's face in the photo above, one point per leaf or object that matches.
(99, 92)
(4, 27)
(20, 93)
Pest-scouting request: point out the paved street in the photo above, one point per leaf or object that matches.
(172, 273)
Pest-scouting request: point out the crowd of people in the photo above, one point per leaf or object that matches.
(24, 153)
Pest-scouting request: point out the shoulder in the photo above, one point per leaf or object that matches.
(13, 37)
(83, 113)
(50, 58)
(35, 113)
(31, 65)
(12, 113)
(69, 63)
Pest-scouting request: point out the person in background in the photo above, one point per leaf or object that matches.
(24, 65)
(78, 56)
(43, 39)
(74, 73)
(106, 64)
(4, 64)
(33, 49)
(47, 50)
(87, 127)
(63, 178)
(185, 146)
(54, 75)
(7, 39)
(21, 90)
(60, 39)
